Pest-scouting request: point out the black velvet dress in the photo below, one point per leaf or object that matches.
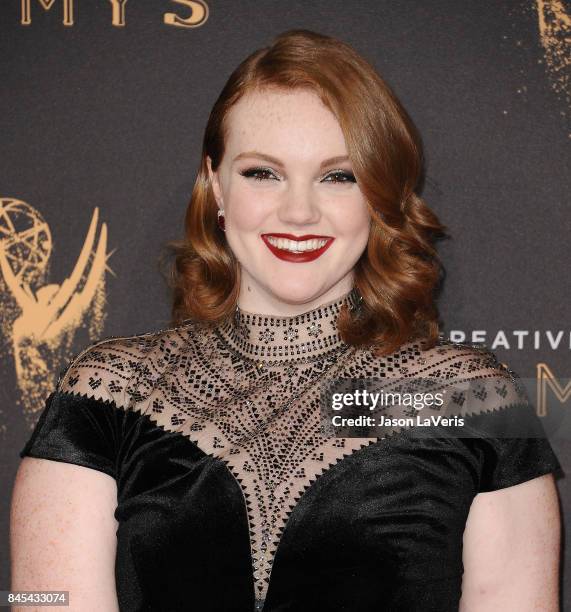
(233, 497)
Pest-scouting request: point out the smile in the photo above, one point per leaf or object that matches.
(297, 248)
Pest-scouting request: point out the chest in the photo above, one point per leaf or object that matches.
(362, 517)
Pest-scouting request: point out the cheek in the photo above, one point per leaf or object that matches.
(247, 211)
(352, 218)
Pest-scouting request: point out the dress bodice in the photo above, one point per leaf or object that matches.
(233, 496)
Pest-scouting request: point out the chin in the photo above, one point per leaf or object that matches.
(296, 294)
(293, 293)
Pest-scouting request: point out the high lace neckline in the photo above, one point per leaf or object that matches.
(284, 338)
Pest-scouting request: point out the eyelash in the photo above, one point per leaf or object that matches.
(251, 173)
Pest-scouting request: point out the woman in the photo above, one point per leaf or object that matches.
(214, 485)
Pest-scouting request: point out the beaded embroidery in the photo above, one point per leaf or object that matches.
(247, 393)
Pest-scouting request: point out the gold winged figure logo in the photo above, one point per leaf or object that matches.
(43, 319)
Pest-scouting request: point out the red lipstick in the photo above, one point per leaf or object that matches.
(298, 257)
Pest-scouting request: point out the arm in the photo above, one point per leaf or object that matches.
(63, 533)
(511, 549)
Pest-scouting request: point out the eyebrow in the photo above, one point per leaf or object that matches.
(274, 160)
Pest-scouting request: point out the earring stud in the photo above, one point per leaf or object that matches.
(220, 220)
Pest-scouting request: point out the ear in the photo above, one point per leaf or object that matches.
(215, 182)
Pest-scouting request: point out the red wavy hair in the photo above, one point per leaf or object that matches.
(399, 271)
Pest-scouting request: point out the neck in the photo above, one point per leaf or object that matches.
(254, 300)
(305, 336)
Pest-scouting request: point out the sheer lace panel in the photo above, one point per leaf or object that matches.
(248, 393)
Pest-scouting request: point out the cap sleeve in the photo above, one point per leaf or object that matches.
(509, 461)
(514, 446)
(499, 425)
(80, 422)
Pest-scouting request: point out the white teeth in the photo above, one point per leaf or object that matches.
(295, 246)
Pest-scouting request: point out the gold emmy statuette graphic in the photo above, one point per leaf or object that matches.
(42, 319)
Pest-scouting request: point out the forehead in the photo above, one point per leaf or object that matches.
(280, 121)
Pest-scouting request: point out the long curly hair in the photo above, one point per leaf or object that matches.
(399, 271)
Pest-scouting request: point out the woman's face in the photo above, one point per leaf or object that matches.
(285, 171)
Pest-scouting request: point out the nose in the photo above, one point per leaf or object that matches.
(299, 205)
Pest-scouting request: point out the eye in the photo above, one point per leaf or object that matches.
(340, 176)
(258, 174)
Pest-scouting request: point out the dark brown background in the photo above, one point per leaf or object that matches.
(95, 115)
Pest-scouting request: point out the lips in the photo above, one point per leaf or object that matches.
(298, 257)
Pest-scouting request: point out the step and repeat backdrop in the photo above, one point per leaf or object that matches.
(102, 109)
